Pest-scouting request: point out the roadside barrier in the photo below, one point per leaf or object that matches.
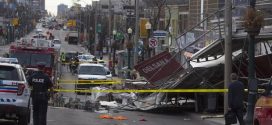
(149, 91)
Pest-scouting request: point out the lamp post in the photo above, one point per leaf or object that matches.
(129, 47)
(114, 49)
(253, 23)
(90, 39)
(148, 28)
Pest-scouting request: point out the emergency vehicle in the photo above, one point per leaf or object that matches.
(263, 107)
(29, 53)
(14, 94)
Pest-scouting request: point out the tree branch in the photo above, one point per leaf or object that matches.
(169, 19)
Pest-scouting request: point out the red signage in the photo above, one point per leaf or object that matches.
(158, 67)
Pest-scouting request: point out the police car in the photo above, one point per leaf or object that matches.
(14, 94)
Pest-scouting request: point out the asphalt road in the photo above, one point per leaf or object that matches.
(65, 116)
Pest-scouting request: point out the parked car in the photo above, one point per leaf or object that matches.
(14, 94)
(85, 58)
(39, 31)
(263, 107)
(71, 54)
(72, 37)
(56, 44)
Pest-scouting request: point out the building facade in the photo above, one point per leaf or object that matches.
(38, 5)
(62, 9)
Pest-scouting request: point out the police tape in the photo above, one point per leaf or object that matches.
(94, 62)
(89, 82)
(149, 91)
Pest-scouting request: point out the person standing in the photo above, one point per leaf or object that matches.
(40, 83)
(62, 58)
(236, 98)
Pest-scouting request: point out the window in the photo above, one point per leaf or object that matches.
(36, 58)
(92, 70)
(88, 57)
(80, 57)
(9, 73)
(57, 42)
(23, 58)
(183, 22)
(27, 59)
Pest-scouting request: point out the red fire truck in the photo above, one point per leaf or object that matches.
(29, 52)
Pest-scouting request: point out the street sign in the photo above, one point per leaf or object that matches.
(98, 28)
(74, 22)
(143, 31)
(153, 42)
(160, 33)
(71, 23)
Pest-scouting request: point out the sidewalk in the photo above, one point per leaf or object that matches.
(217, 119)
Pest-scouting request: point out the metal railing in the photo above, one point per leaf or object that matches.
(211, 28)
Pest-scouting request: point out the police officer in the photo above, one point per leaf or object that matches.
(40, 83)
(62, 58)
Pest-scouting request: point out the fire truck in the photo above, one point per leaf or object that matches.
(31, 51)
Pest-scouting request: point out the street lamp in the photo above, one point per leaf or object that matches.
(129, 32)
(129, 47)
(253, 24)
(114, 48)
(90, 39)
(114, 33)
(148, 28)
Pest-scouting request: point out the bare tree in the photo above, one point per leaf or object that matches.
(157, 6)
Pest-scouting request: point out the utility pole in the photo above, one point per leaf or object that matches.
(95, 24)
(228, 49)
(110, 31)
(136, 38)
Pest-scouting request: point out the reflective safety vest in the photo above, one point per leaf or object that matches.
(62, 57)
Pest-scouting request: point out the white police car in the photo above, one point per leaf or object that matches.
(14, 94)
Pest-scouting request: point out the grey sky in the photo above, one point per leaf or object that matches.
(51, 5)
